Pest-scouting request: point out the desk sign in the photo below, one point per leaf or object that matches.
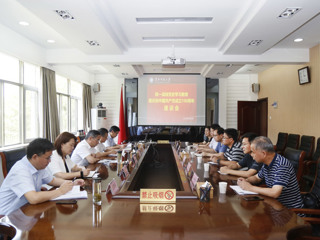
(163, 141)
(157, 208)
(113, 187)
(158, 195)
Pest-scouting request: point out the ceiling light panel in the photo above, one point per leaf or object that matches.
(23, 23)
(175, 20)
(176, 39)
(289, 12)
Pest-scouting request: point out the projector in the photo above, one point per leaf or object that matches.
(174, 63)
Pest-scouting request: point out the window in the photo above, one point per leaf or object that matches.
(19, 98)
(69, 98)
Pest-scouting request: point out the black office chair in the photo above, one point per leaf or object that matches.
(7, 232)
(10, 157)
(293, 141)
(307, 145)
(281, 142)
(296, 157)
(310, 168)
(313, 215)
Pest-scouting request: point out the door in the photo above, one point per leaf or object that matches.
(252, 116)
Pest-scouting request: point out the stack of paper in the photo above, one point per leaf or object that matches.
(75, 193)
(240, 191)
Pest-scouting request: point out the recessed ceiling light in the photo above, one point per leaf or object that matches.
(23, 23)
(64, 14)
(289, 12)
(255, 42)
(51, 41)
(93, 43)
(176, 39)
(298, 40)
(175, 20)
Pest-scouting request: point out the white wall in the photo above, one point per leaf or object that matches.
(231, 90)
(109, 96)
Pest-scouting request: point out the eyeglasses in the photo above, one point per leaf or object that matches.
(225, 138)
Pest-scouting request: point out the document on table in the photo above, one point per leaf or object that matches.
(213, 163)
(75, 193)
(240, 191)
(108, 161)
(90, 175)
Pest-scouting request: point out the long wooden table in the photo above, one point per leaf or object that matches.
(226, 216)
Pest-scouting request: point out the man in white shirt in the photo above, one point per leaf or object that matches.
(85, 152)
(212, 145)
(113, 132)
(102, 150)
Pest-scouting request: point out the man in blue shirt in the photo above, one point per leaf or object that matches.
(277, 172)
(23, 183)
(220, 148)
(252, 167)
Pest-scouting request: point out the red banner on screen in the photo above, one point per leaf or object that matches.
(172, 103)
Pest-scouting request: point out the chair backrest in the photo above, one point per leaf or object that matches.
(10, 157)
(316, 184)
(307, 145)
(316, 154)
(296, 157)
(282, 141)
(293, 141)
(7, 231)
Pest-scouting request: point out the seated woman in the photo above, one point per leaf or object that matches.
(61, 165)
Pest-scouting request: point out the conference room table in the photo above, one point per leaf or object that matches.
(225, 216)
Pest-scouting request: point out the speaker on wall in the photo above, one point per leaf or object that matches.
(255, 87)
(96, 87)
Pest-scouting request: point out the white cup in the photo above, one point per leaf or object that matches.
(192, 154)
(186, 143)
(188, 148)
(199, 165)
(199, 159)
(222, 198)
(206, 174)
(223, 187)
(206, 167)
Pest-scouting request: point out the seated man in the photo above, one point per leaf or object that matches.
(234, 153)
(113, 132)
(220, 149)
(212, 144)
(277, 172)
(23, 183)
(247, 162)
(102, 150)
(85, 152)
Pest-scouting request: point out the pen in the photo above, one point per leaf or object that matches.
(74, 179)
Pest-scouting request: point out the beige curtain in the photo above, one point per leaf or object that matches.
(51, 126)
(87, 105)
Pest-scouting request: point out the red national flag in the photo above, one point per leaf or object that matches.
(122, 136)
